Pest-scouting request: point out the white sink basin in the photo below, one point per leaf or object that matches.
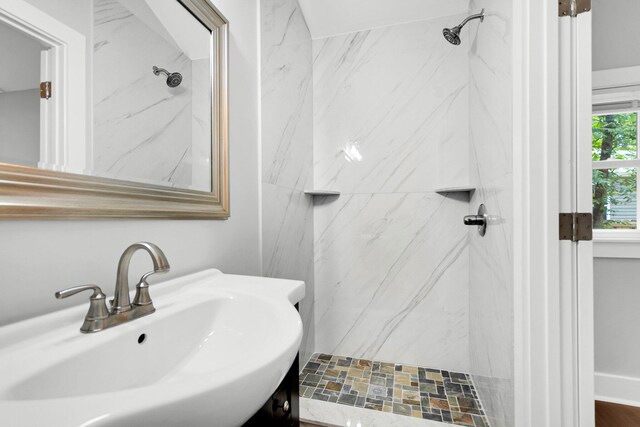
(211, 355)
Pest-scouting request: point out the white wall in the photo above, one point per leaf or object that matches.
(617, 322)
(20, 127)
(39, 257)
(391, 255)
(616, 36)
(20, 60)
(76, 14)
(617, 316)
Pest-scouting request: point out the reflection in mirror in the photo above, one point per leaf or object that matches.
(19, 97)
(149, 92)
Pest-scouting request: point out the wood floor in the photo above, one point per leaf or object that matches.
(614, 415)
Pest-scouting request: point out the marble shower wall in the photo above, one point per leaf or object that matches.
(137, 117)
(287, 152)
(491, 257)
(391, 255)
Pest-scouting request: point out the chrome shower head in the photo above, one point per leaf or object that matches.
(173, 79)
(452, 35)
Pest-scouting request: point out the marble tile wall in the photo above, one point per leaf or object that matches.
(391, 255)
(200, 154)
(394, 275)
(287, 152)
(491, 259)
(137, 117)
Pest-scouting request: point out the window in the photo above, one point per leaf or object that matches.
(615, 169)
(615, 162)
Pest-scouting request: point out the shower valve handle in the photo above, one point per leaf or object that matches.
(481, 220)
(475, 220)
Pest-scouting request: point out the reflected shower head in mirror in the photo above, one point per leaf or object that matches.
(452, 35)
(173, 79)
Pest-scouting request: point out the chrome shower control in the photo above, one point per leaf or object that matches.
(480, 220)
(474, 220)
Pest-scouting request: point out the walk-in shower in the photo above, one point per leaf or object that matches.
(453, 34)
(408, 314)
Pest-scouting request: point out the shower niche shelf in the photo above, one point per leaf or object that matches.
(456, 190)
(465, 189)
(322, 192)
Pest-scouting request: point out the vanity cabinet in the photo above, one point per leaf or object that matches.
(282, 409)
(275, 412)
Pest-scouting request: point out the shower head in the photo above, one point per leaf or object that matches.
(452, 35)
(173, 79)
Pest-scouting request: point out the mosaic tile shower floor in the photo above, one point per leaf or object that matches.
(413, 391)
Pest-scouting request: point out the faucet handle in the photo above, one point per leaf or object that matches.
(76, 289)
(97, 305)
(142, 296)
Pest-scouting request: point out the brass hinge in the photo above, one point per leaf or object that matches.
(576, 226)
(573, 7)
(45, 90)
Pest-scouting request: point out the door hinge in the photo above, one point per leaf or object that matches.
(45, 90)
(573, 7)
(576, 226)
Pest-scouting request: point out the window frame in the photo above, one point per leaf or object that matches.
(620, 164)
(610, 87)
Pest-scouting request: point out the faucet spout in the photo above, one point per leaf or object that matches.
(121, 301)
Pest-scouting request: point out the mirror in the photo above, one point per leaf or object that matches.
(114, 98)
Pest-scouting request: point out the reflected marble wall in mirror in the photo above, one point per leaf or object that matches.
(131, 92)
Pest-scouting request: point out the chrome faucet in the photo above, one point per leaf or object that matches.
(122, 309)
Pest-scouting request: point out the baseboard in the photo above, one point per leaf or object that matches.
(617, 389)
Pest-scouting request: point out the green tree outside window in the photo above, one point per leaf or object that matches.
(614, 137)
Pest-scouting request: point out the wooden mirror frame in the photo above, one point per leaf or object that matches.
(31, 193)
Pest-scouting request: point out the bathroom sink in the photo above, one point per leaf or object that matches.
(213, 352)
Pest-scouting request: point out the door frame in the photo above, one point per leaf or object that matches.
(553, 311)
(584, 358)
(63, 127)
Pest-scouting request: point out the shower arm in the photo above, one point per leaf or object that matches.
(157, 71)
(479, 16)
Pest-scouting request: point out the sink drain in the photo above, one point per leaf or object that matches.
(142, 338)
